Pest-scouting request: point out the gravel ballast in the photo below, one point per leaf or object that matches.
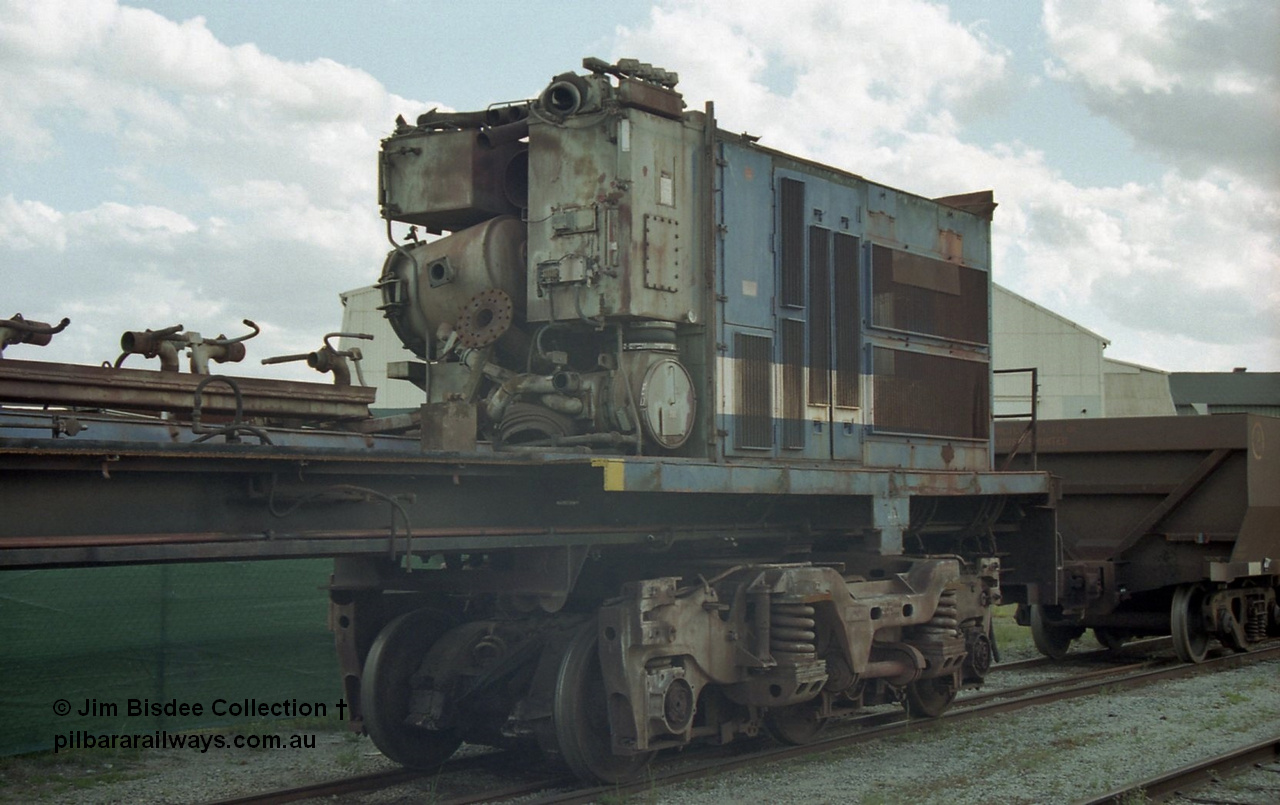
(1049, 754)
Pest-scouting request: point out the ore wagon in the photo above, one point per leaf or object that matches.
(1170, 526)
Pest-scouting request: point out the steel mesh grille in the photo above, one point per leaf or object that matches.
(931, 394)
(848, 321)
(792, 384)
(754, 391)
(919, 294)
(819, 316)
(791, 241)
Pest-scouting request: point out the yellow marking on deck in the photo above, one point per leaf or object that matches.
(614, 473)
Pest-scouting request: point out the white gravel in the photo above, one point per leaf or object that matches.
(1051, 754)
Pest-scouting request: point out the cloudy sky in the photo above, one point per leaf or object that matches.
(172, 161)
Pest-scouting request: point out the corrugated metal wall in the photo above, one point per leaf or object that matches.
(360, 314)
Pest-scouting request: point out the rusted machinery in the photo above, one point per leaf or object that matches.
(704, 449)
(17, 330)
(1170, 525)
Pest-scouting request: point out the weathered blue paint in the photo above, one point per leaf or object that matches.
(745, 254)
(678, 476)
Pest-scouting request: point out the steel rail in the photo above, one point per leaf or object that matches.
(1193, 774)
(1086, 656)
(869, 727)
(370, 781)
(709, 768)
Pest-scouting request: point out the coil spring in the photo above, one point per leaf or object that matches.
(1255, 628)
(792, 638)
(946, 618)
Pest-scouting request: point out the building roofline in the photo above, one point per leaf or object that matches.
(1143, 367)
(1105, 341)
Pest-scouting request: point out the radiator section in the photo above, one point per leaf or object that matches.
(819, 316)
(791, 241)
(931, 395)
(792, 384)
(848, 321)
(754, 391)
(919, 294)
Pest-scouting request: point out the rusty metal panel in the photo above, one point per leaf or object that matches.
(449, 426)
(819, 315)
(918, 294)
(848, 321)
(36, 382)
(637, 257)
(448, 179)
(645, 96)
(930, 394)
(1166, 498)
(663, 261)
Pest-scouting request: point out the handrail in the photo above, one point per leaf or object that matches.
(1030, 430)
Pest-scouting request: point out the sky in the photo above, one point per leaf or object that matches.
(176, 162)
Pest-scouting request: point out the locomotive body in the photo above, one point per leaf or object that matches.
(707, 317)
(682, 291)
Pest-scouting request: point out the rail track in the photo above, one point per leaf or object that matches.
(690, 766)
(1263, 755)
(984, 705)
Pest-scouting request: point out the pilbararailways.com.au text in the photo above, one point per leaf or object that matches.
(245, 708)
(163, 739)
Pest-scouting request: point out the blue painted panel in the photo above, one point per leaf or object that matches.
(804, 427)
(836, 207)
(648, 475)
(917, 224)
(746, 255)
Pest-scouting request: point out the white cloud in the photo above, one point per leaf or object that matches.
(152, 228)
(251, 179)
(29, 225)
(812, 73)
(1197, 81)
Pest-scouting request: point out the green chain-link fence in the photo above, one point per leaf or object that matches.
(191, 632)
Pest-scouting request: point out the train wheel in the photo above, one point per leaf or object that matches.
(1109, 639)
(929, 698)
(1190, 638)
(1052, 640)
(581, 717)
(798, 724)
(385, 691)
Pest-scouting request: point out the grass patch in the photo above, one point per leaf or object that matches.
(1012, 640)
(70, 771)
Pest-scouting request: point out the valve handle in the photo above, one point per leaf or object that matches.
(363, 336)
(222, 341)
(34, 327)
